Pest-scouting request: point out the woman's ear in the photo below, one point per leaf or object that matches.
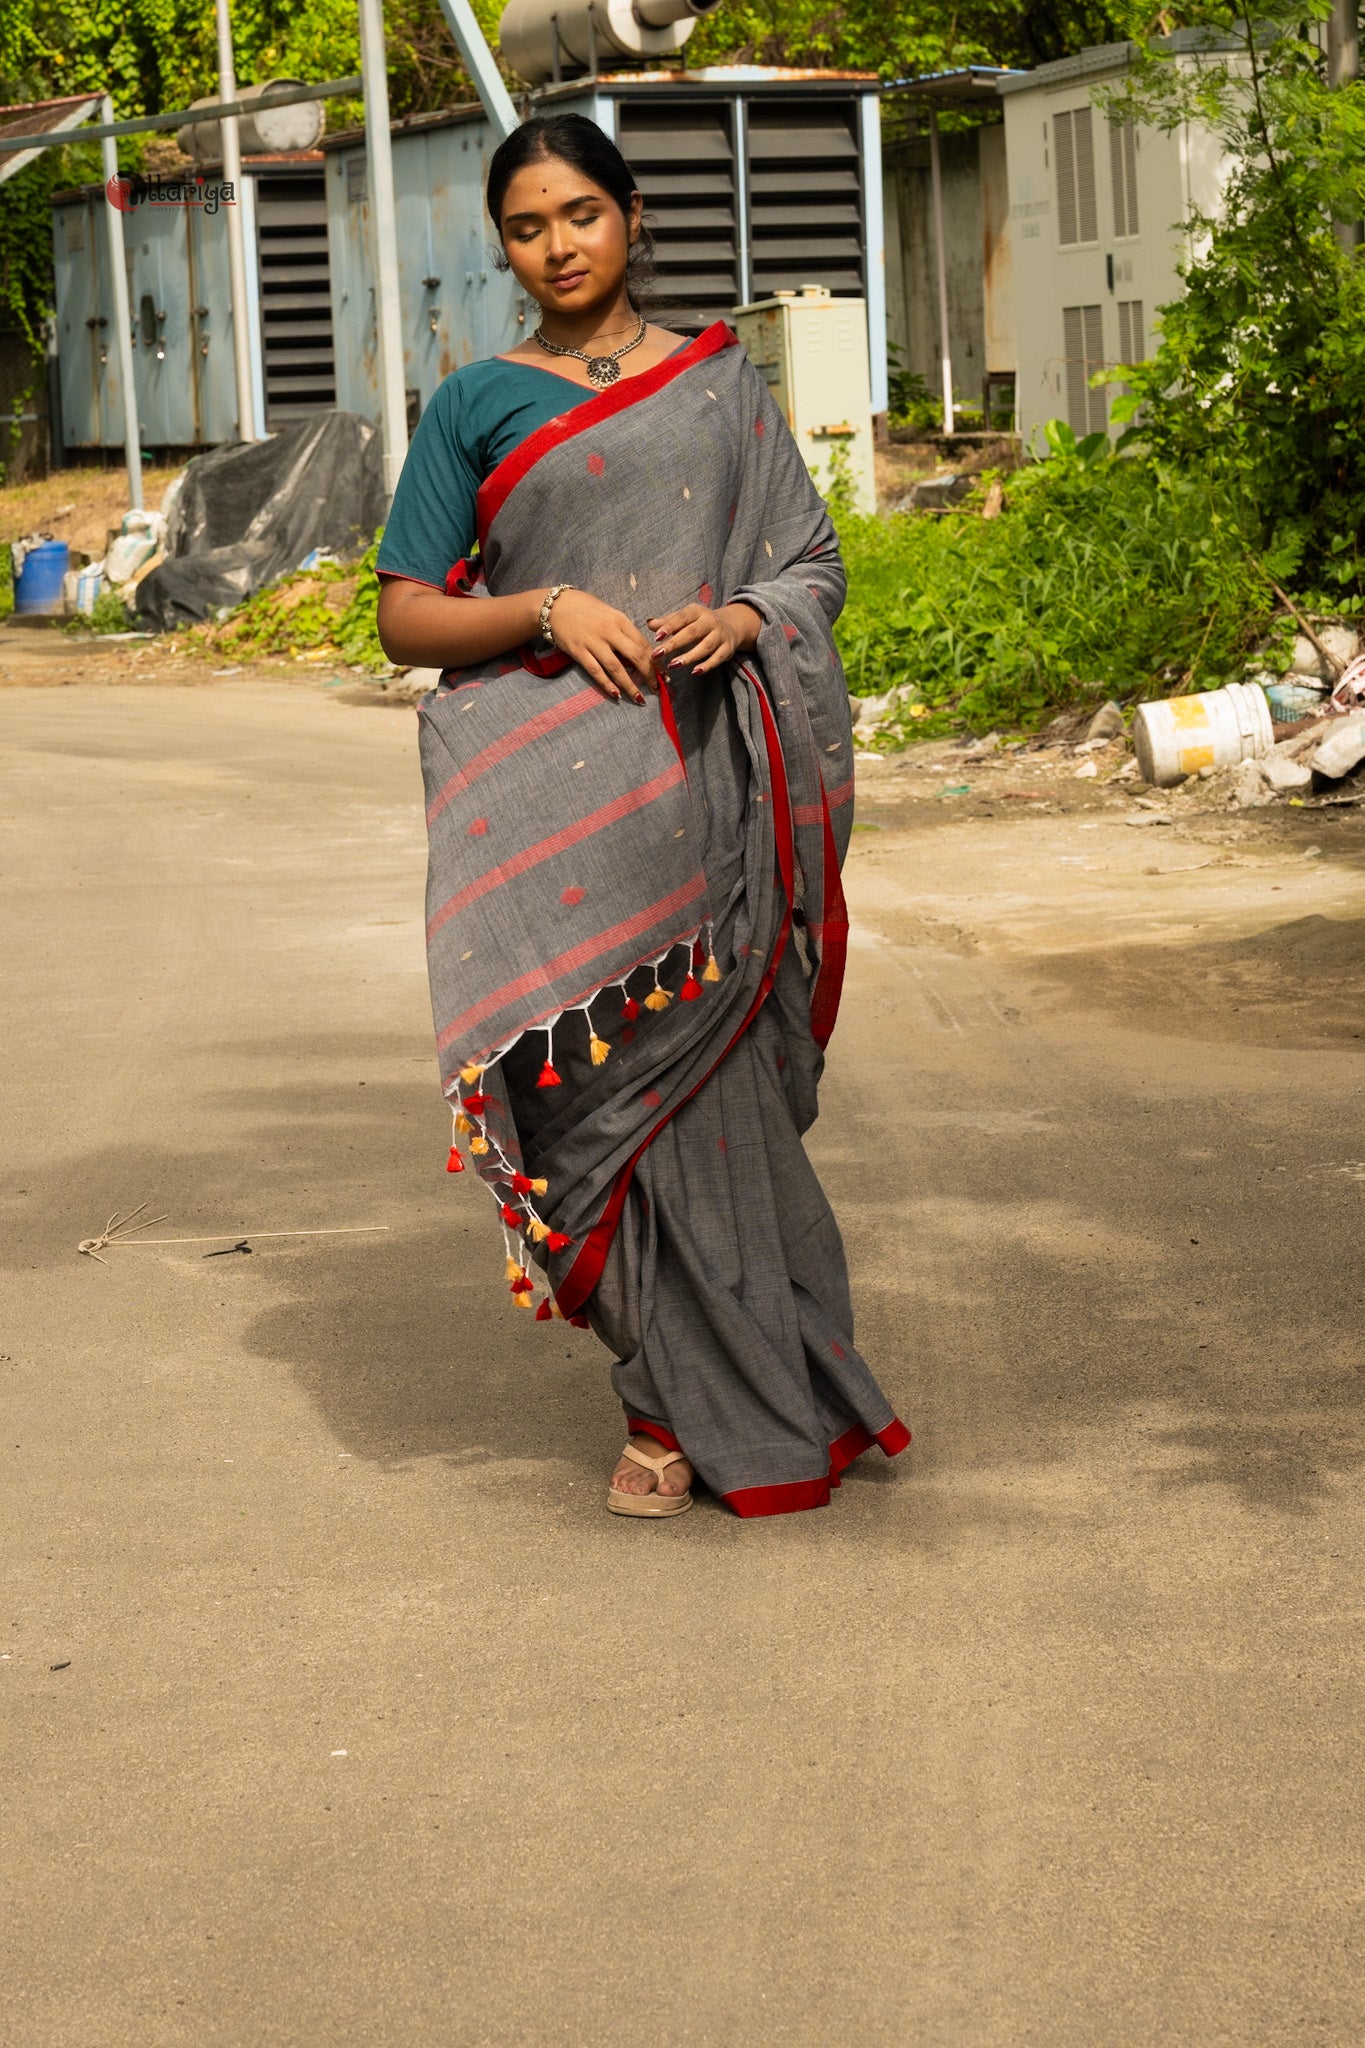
(637, 207)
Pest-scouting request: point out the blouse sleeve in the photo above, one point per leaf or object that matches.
(433, 523)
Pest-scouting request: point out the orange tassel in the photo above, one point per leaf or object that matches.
(524, 1300)
(658, 999)
(470, 1073)
(599, 1049)
(537, 1231)
(462, 1123)
(711, 971)
(549, 1078)
(454, 1164)
(690, 989)
(540, 1186)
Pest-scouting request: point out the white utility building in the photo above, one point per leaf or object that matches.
(1095, 210)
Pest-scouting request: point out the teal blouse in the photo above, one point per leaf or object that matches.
(478, 415)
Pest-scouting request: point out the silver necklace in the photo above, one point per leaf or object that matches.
(602, 370)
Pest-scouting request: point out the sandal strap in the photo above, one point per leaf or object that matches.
(655, 1465)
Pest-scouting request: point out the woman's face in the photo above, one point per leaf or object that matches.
(566, 239)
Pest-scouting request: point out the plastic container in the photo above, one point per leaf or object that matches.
(1214, 730)
(1294, 699)
(38, 586)
(89, 584)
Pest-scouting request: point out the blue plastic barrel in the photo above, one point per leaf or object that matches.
(38, 586)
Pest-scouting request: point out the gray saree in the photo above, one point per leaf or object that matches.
(636, 929)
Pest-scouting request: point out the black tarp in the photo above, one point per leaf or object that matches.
(246, 513)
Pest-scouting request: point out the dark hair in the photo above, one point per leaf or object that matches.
(575, 140)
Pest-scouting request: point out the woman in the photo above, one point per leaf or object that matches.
(639, 780)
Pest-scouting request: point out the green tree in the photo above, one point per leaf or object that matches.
(1259, 378)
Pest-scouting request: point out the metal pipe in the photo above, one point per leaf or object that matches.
(236, 240)
(123, 326)
(941, 251)
(1343, 66)
(494, 97)
(379, 151)
(145, 124)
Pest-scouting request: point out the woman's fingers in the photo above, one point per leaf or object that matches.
(600, 679)
(630, 643)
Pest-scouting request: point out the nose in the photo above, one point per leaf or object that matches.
(560, 242)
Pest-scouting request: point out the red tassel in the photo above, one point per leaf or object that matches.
(698, 953)
(544, 1313)
(557, 1241)
(525, 1285)
(454, 1164)
(475, 1105)
(548, 1077)
(512, 1217)
(580, 1322)
(690, 989)
(520, 1184)
(630, 1010)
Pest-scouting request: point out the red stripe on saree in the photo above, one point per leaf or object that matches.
(576, 956)
(512, 743)
(622, 806)
(497, 488)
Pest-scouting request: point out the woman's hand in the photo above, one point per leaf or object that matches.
(604, 642)
(699, 639)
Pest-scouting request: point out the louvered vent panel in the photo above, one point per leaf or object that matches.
(1123, 176)
(684, 162)
(805, 210)
(1063, 150)
(1073, 348)
(1087, 215)
(296, 306)
(1098, 413)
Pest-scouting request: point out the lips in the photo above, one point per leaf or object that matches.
(570, 281)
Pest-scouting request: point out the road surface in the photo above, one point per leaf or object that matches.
(339, 1714)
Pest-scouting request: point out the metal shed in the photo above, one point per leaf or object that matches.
(1095, 214)
(757, 180)
(182, 323)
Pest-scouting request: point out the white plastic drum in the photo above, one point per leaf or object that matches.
(1213, 730)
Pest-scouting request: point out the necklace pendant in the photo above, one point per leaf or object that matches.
(603, 370)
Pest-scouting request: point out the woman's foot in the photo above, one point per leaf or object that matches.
(632, 1478)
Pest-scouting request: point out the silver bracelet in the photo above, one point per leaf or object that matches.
(547, 631)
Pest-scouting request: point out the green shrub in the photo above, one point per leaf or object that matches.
(305, 610)
(1104, 576)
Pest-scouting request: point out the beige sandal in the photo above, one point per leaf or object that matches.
(655, 1503)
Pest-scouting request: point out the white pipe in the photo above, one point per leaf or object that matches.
(393, 416)
(236, 241)
(936, 180)
(123, 327)
(874, 246)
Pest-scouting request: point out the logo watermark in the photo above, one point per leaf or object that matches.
(129, 190)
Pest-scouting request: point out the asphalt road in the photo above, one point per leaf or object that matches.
(337, 1711)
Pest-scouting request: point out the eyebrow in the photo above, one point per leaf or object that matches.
(529, 213)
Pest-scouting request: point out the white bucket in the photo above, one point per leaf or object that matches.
(1214, 730)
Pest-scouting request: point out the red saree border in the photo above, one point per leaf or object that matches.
(749, 1502)
(499, 485)
(586, 1270)
(833, 939)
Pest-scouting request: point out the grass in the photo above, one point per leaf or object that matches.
(328, 613)
(1100, 578)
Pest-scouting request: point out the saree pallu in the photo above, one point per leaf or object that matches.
(636, 929)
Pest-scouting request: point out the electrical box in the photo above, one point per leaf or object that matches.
(812, 350)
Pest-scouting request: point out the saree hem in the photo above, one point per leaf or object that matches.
(793, 1496)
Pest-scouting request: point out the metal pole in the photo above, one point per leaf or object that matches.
(496, 101)
(379, 152)
(232, 175)
(123, 327)
(936, 180)
(1343, 65)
